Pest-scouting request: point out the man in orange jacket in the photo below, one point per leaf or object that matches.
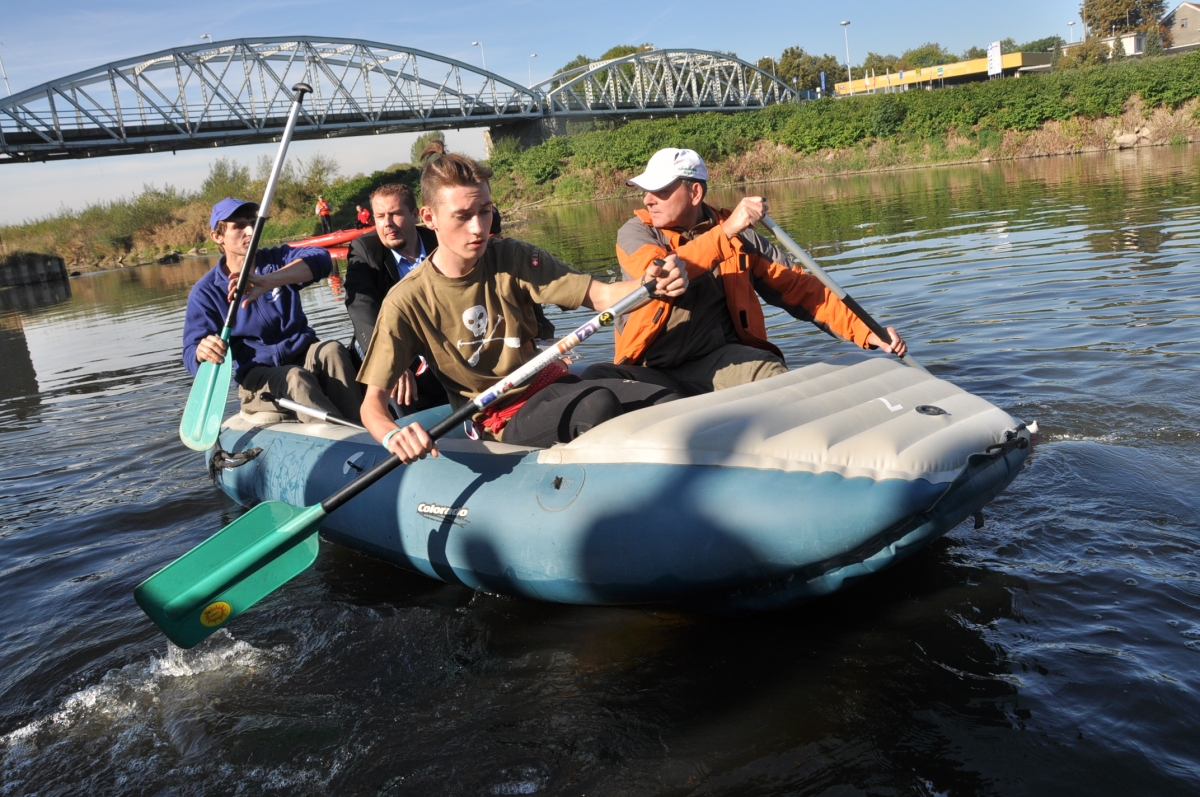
(324, 211)
(714, 336)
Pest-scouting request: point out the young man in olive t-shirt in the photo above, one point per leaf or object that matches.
(469, 308)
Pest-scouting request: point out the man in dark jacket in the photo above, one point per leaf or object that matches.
(377, 261)
(273, 347)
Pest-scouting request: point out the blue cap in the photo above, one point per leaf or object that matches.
(226, 208)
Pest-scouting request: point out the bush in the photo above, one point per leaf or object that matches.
(887, 116)
(1091, 52)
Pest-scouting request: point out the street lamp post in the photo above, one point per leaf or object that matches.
(529, 67)
(5, 72)
(849, 75)
(1071, 27)
(204, 36)
(481, 54)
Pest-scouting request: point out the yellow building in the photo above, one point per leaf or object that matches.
(944, 75)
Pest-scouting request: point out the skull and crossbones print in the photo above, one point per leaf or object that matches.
(476, 320)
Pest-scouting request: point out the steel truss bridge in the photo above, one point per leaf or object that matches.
(238, 92)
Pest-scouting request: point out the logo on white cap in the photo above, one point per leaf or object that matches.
(667, 166)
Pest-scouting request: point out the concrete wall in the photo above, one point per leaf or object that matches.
(1134, 43)
(27, 268)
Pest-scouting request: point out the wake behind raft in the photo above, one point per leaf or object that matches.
(755, 497)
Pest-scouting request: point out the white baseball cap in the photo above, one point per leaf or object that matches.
(667, 166)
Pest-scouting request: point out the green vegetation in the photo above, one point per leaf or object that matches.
(918, 126)
(424, 140)
(1154, 46)
(620, 51)
(1091, 52)
(803, 70)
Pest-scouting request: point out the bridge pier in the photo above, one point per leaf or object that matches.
(28, 268)
(527, 132)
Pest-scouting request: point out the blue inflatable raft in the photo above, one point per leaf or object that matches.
(750, 498)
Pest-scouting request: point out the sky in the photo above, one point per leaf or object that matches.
(50, 39)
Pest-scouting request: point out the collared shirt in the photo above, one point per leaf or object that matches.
(404, 264)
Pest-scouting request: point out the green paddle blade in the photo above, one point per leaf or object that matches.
(205, 408)
(225, 575)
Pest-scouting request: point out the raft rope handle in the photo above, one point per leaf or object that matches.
(223, 460)
(1012, 439)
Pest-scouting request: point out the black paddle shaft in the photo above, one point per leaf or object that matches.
(392, 462)
(250, 264)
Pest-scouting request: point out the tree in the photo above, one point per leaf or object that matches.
(974, 52)
(423, 141)
(1153, 43)
(1056, 57)
(225, 178)
(1045, 45)
(928, 54)
(803, 70)
(574, 63)
(1118, 50)
(1090, 52)
(1103, 17)
(620, 51)
(879, 63)
(1009, 45)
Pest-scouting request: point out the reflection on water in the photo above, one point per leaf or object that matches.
(31, 297)
(1053, 651)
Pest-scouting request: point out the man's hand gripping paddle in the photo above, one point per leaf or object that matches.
(811, 266)
(216, 581)
(201, 422)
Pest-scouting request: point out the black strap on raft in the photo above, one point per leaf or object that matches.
(223, 460)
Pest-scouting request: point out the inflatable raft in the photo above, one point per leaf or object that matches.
(751, 498)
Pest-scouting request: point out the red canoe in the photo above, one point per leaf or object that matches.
(339, 238)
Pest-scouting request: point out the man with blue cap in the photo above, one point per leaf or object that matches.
(274, 349)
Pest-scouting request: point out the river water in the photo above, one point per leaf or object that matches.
(1053, 651)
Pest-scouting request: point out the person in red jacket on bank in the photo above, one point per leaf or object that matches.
(715, 335)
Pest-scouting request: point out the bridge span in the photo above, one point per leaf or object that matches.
(237, 92)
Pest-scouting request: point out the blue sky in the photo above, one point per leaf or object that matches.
(49, 39)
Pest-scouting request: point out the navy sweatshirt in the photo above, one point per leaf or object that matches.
(272, 331)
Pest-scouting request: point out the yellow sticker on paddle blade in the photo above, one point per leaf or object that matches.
(215, 613)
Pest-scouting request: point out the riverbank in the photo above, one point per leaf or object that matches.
(766, 162)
